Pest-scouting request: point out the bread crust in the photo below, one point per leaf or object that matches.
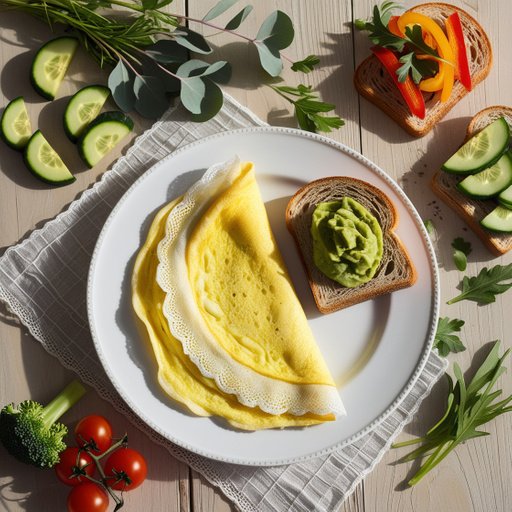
(329, 295)
(473, 210)
(373, 82)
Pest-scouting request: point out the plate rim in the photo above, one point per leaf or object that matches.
(381, 174)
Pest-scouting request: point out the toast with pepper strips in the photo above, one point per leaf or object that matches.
(374, 83)
(474, 210)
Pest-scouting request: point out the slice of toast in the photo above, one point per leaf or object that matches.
(474, 210)
(374, 83)
(396, 270)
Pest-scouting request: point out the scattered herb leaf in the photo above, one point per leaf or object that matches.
(484, 287)
(469, 405)
(306, 65)
(429, 226)
(461, 251)
(445, 341)
(308, 108)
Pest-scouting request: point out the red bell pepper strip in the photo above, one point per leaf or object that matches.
(408, 89)
(456, 39)
(393, 26)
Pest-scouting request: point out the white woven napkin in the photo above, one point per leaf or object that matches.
(43, 281)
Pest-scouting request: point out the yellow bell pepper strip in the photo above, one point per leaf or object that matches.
(408, 89)
(456, 38)
(445, 77)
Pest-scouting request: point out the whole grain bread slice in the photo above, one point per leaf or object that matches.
(396, 270)
(374, 83)
(473, 210)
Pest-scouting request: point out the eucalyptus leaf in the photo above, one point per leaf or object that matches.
(193, 90)
(120, 83)
(237, 20)
(151, 99)
(276, 31)
(170, 82)
(270, 59)
(218, 9)
(193, 67)
(211, 103)
(219, 71)
(194, 42)
(167, 51)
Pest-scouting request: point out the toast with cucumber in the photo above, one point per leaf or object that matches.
(477, 180)
(395, 77)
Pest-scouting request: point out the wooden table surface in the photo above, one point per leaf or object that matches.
(476, 477)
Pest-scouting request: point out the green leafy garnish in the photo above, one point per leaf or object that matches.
(461, 251)
(469, 405)
(147, 49)
(308, 108)
(429, 226)
(306, 65)
(445, 341)
(411, 44)
(484, 287)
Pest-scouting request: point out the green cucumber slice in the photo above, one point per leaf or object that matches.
(83, 108)
(15, 126)
(505, 197)
(44, 162)
(102, 135)
(50, 65)
(491, 181)
(500, 219)
(482, 150)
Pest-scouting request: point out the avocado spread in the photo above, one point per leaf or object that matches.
(347, 241)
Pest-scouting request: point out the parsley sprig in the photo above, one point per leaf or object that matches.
(469, 406)
(309, 108)
(410, 46)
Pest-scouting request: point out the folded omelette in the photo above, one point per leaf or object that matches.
(228, 332)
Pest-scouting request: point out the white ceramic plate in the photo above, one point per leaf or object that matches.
(375, 350)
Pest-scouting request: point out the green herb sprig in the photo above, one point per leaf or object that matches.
(469, 406)
(484, 287)
(149, 50)
(445, 340)
(461, 251)
(408, 45)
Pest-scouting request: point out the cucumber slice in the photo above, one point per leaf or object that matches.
(15, 126)
(500, 219)
(505, 197)
(44, 162)
(491, 181)
(50, 65)
(482, 150)
(83, 108)
(102, 135)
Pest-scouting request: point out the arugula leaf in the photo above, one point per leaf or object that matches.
(468, 407)
(484, 287)
(445, 341)
(306, 65)
(308, 108)
(461, 251)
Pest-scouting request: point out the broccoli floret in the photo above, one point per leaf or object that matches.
(31, 433)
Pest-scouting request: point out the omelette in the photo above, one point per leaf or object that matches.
(229, 335)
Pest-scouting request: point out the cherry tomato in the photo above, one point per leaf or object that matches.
(125, 469)
(87, 497)
(70, 459)
(94, 429)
